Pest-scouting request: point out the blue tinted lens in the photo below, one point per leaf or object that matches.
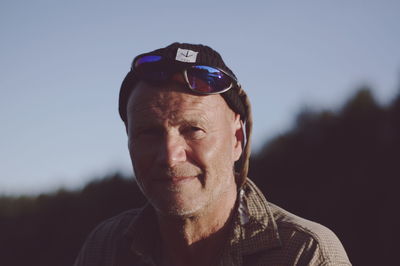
(207, 79)
(150, 72)
(147, 59)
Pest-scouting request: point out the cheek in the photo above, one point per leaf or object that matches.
(214, 154)
(141, 157)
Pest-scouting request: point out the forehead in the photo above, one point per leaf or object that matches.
(172, 99)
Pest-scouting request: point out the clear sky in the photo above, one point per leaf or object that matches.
(62, 62)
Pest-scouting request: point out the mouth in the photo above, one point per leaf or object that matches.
(178, 179)
(175, 179)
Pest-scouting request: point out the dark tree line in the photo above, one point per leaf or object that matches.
(340, 169)
(336, 168)
(50, 229)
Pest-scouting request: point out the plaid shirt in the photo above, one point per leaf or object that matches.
(262, 234)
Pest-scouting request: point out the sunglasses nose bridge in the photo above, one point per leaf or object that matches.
(179, 77)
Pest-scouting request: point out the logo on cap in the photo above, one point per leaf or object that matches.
(187, 56)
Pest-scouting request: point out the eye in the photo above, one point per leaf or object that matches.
(149, 132)
(193, 132)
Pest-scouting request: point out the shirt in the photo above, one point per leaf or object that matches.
(261, 234)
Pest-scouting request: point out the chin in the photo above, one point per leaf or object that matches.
(178, 210)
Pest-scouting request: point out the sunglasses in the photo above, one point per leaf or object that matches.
(199, 78)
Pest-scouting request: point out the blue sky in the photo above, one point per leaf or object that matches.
(62, 62)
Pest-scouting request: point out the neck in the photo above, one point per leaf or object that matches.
(197, 239)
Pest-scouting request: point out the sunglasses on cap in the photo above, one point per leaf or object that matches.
(199, 78)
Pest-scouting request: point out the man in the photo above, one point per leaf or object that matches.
(188, 123)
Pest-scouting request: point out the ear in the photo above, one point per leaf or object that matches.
(239, 138)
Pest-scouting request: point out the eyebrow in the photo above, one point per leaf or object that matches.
(191, 121)
(148, 120)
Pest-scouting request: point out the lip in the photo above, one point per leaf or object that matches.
(175, 179)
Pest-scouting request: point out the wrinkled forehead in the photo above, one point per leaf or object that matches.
(171, 97)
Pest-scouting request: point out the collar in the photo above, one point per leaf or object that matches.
(143, 234)
(254, 229)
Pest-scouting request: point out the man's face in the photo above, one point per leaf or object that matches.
(183, 147)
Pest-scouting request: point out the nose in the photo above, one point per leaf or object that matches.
(172, 151)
